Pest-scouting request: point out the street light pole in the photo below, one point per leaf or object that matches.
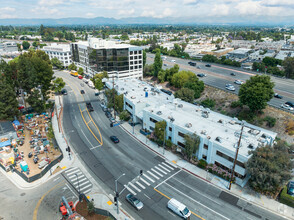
(116, 192)
(236, 156)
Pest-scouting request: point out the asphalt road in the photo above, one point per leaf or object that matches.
(219, 75)
(89, 134)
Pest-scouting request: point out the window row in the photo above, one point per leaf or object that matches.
(230, 159)
(229, 170)
(135, 67)
(136, 57)
(136, 52)
(135, 62)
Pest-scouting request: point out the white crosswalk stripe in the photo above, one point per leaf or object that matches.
(135, 187)
(72, 169)
(84, 183)
(87, 191)
(148, 178)
(160, 170)
(79, 181)
(82, 189)
(143, 187)
(80, 174)
(159, 174)
(152, 175)
(166, 165)
(164, 168)
(144, 181)
(70, 173)
(131, 191)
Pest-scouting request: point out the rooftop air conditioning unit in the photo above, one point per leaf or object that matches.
(188, 125)
(203, 132)
(133, 97)
(180, 105)
(122, 88)
(159, 113)
(250, 146)
(204, 115)
(172, 119)
(218, 139)
(220, 121)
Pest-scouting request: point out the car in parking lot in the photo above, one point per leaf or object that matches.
(134, 201)
(201, 75)
(112, 120)
(198, 67)
(233, 74)
(166, 91)
(89, 106)
(82, 92)
(208, 65)
(173, 61)
(290, 188)
(114, 139)
(276, 95)
(230, 87)
(238, 82)
(288, 107)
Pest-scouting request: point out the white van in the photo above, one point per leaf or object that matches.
(178, 208)
(173, 61)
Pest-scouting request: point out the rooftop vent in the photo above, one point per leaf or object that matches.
(180, 105)
(218, 139)
(203, 132)
(220, 121)
(250, 146)
(133, 97)
(159, 112)
(204, 114)
(172, 119)
(122, 89)
(188, 125)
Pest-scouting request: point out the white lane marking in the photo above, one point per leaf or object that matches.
(160, 170)
(144, 181)
(173, 165)
(168, 178)
(197, 201)
(148, 178)
(86, 138)
(199, 193)
(95, 147)
(131, 191)
(147, 196)
(71, 190)
(87, 191)
(72, 169)
(135, 187)
(56, 179)
(153, 175)
(143, 187)
(169, 167)
(164, 168)
(159, 174)
(74, 175)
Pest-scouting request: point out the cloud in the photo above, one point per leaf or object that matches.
(45, 11)
(51, 2)
(190, 2)
(7, 9)
(126, 13)
(90, 15)
(220, 10)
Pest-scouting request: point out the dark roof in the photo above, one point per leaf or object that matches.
(6, 127)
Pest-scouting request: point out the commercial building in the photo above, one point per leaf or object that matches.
(119, 60)
(218, 133)
(218, 53)
(8, 47)
(240, 53)
(60, 51)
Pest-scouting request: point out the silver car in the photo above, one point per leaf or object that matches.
(134, 201)
(288, 107)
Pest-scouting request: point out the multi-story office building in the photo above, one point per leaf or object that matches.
(219, 134)
(8, 47)
(60, 51)
(119, 60)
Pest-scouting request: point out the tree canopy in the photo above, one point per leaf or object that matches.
(57, 63)
(25, 45)
(157, 63)
(58, 84)
(192, 142)
(159, 131)
(288, 65)
(185, 94)
(256, 92)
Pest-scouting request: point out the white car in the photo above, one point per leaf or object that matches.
(239, 82)
(173, 61)
(288, 107)
(230, 87)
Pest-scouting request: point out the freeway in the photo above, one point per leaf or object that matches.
(88, 133)
(219, 75)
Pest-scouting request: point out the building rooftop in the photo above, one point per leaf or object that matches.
(57, 47)
(103, 44)
(240, 51)
(196, 119)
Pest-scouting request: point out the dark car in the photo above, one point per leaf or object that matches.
(64, 92)
(114, 139)
(233, 74)
(278, 96)
(89, 106)
(82, 92)
(108, 114)
(134, 201)
(201, 75)
(290, 188)
(166, 91)
(290, 104)
(208, 65)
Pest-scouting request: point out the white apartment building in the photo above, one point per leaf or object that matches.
(218, 133)
(119, 60)
(60, 51)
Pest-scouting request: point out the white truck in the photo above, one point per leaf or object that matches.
(91, 84)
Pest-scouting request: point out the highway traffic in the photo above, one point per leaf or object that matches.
(89, 134)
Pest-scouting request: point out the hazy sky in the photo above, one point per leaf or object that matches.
(198, 10)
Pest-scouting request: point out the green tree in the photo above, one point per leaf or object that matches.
(191, 144)
(208, 103)
(256, 92)
(91, 207)
(288, 65)
(159, 131)
(196, 85)
(99, 84)
(72, 66)
(157, 63)
(59, 35)
(269, 168)
(80, 71)
(144, 58)
(58, 85)
(270, 61)
(35, 43)
(180, 78)
(124, 115)
(42, 30)
(161, 76)
(148, 70)
(35, 101)
(56, 63)
(119, 103)
(124, 37)
(185, 94)
(25, 45)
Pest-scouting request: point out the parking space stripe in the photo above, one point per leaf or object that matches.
(152, 175)
(135, 187)
(167, 165)
(164, 168)
(144, 181)
(131, 191)
(143, 187)
(160, 170)
(159, 174)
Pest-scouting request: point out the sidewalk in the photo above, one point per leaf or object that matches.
(244, 193)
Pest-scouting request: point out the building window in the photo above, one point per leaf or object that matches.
(204, 157)
(240, 164)
(135, 57)
(170, 129)
(140, 61)
(229, 170)
(140, 57)
(140, 51)
(131, 63)
(131, 53)
(169, 137)
(136, 62)
(132, 67)
(181, 144)
(181, 134)
(136, 67)
(131, 58)
(127, 104)
(153, 120)
(205, 146)
(136, 52)
(140, 66)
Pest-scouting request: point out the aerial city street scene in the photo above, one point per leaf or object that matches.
(148, 110)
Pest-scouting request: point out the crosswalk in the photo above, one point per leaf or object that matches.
(78, 180)
(149, 177)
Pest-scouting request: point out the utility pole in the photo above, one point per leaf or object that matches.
(113, 97)
(236, 156)
(164, 140)
(117, 193)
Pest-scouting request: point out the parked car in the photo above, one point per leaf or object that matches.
(64, 92)
(108, 114)
(112, 120)
(89, 106)
(96, 92)
(114, 139)
(42, 164)
(166, 91)
(179, 208)
(278, 96)
(20, 106)
(208, 65)
(80, 77)
(233, 74)
(288, 107)
(198, 67)
(165, 64)
(238, 82)
(134, 201)
(201, 75)
(290, 188)
(291, 104)
(82, 92)
(173, 61)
